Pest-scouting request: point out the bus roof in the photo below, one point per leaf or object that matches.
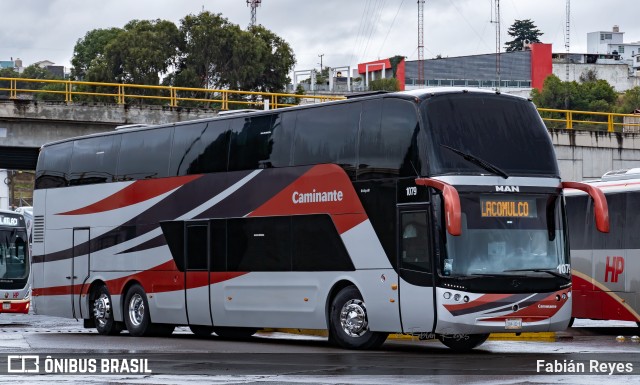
(408, 95)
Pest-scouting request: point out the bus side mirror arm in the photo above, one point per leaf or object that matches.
(451, 203)
(599, 203)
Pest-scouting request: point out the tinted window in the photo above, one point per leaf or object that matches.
(94, 160)
(53, 166)
(327, 135)
(375, 197)
(196, 247)
(218, 229)
(143, 154)
(632, 240)
(251, 142)
(282, 139)
(502, 130)
(317, 246)
(414, 251)
(580, 223)
(200, 148)
(388, 134)
(617, 214)
(259, 244)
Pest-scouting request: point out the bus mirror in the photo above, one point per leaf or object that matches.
(599, 203)
(451, 203)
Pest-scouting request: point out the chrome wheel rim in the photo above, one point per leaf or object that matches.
(136, 310)
(102, 309)
(353, 318)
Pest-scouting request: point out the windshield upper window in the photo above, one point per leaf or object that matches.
(14, 260)
(504, 131)
(504, 234)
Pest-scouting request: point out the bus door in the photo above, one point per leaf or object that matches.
(79, 270)
(196, 282)
(416, 267)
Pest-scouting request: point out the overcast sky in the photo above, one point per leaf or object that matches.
(347, 32)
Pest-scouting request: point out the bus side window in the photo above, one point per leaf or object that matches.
(415, 241)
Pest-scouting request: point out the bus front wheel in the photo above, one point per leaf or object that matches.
(136, 312)
(102, 312)
(462, 342)
(348, 322)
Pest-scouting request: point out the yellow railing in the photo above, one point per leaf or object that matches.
(222, 99)
(601, 120)
(119, 93)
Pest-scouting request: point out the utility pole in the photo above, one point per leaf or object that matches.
(497, 23)
(567, 46)
(320, 56)
(421, 42)
(253, 4)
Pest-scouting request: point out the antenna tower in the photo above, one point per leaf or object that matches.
(421, 42)
(567, 40)
(496, 21)
(253, 4)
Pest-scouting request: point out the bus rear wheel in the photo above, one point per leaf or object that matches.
(348, 322)
(234, 333)
(136, 312)
(463, 342)
(102, 312)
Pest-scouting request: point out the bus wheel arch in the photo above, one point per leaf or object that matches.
(348, 321)
(101, 309)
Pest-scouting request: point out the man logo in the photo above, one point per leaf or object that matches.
(508, 188)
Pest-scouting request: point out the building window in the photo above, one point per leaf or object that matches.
(605, 36)
(620, 49)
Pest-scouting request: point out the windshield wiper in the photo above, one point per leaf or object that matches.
(478, 162)
(548, 271)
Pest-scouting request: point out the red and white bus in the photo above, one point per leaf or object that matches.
(605, 266)
(15, 292)
(436, 213)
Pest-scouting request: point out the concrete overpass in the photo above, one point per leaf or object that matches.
(26, 125)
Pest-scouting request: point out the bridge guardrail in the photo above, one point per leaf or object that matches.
(171, 95)
(222, 99)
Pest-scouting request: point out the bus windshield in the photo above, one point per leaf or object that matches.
(14, 261)
(507, 235)
(504, 132)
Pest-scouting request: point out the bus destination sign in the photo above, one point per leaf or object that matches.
(508, 208)
(9, 221)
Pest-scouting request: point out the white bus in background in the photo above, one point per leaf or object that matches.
(27, 213)
(15, 290)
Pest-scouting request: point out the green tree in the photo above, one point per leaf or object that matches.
(89, 51)
(275, 62)
(520, 31)
(385, 84)
(630, 101)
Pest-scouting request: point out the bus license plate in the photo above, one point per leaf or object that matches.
(6, 306)
(513, 323)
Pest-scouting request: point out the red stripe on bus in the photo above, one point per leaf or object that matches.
(539, 310)
(155, 280)
(136, 192)
(590, 301)
(324, 189)
(480, 301)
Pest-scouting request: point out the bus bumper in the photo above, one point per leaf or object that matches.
(471, 313)
(16, 306)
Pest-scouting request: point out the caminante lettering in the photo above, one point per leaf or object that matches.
(316, 196)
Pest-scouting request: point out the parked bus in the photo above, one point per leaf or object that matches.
(434, 213)
(605, 266)
(15, 292)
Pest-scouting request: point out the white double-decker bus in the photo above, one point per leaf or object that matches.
(434, 213)
(15, 293)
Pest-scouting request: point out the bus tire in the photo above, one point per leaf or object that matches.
(463, 342)
(102, 312)
(348, 322)
(234, 333)
(201, 331)
(136, 312)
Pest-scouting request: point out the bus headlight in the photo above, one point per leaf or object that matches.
(456, 297)
(447, 295)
